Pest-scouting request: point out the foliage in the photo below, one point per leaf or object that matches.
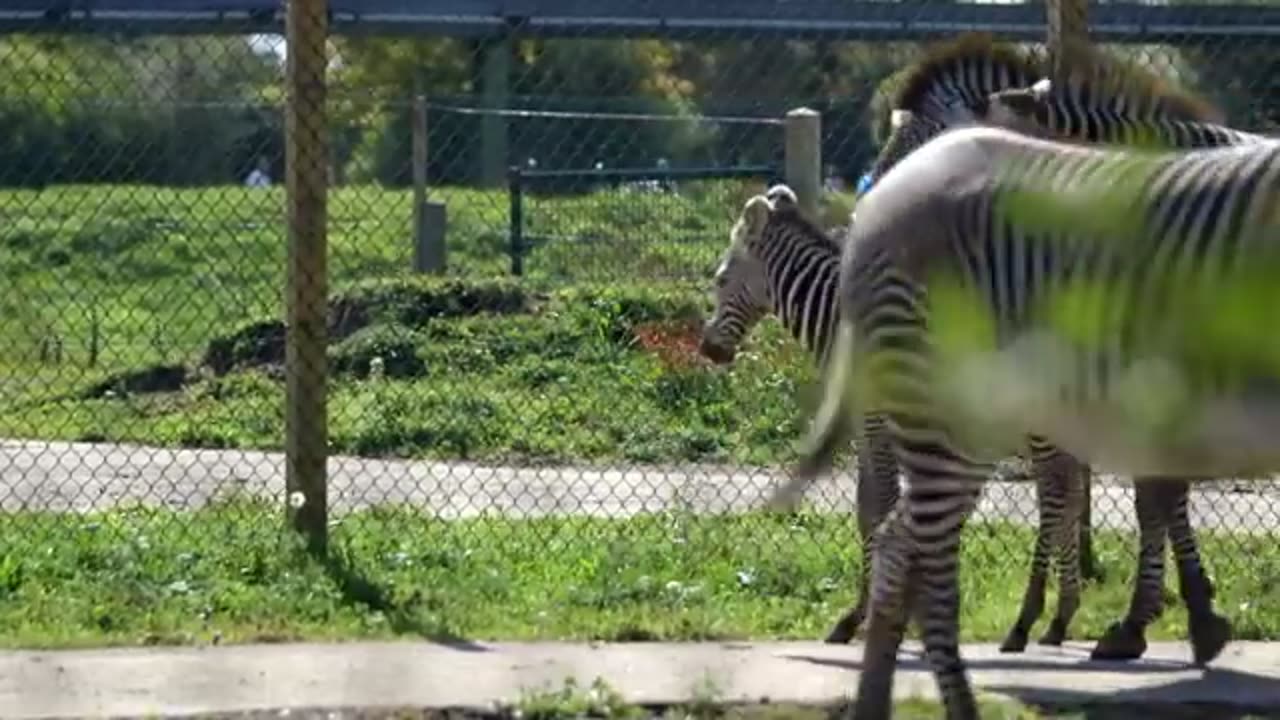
(232, 573)
(549, 368)
(97, 109)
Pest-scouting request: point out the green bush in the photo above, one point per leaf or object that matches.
(394, 344)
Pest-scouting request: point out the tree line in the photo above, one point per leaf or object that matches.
(206, 110)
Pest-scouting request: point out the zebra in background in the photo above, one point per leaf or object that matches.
(796, 279)
(1105, 101)
(1161, 239)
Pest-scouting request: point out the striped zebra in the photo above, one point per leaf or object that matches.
(1099, 278)
(1161, 504)
(796, 279)
(1102, 101)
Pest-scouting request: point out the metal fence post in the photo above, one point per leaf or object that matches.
(1068, 24)
(428, 217)
(306, 186)
(804, 157)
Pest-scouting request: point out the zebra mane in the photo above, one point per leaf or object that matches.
(934, 74)
(1097, 73)
(1091, 73)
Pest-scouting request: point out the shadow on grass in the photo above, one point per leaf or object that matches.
(357, 588)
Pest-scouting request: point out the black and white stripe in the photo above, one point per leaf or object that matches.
(1181, 231)
(969, 86)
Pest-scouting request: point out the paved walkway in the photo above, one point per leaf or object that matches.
(175, 681)
(86, 476)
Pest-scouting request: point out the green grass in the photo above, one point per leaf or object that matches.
(130, 278)
(229, 573)
(160, 271)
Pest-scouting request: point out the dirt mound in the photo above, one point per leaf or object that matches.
(407, 302)
(156, 378)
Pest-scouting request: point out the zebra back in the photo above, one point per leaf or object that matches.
(1099, 97)
(1038, 110)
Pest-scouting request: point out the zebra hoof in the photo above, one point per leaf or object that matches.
(844, 631)
(1015, 642)
(1121, 642)
(1054, 636)
(1209, 636)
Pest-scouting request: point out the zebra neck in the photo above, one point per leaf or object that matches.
(803, 279)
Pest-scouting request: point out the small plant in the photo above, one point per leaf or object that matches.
(598, 701)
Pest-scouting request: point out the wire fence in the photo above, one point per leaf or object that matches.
(490, 437)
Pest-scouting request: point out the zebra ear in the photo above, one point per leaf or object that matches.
(782, 198)
(1022, 101)
(754, 215)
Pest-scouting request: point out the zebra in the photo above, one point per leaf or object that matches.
(795, 277)
(796, 280)
(1161, 504)
(1101, 101)
(973, 219)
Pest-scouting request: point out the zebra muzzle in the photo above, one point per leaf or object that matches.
(715, 353)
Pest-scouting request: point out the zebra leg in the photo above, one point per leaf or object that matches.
(1058, 491)
(942, 492)
(1209, 631)
(895, 582)
(1069, 478)
(1126, 639)
(877, 494)
(1033, 597)
(1089, 568)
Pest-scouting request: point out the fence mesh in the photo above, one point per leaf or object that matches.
(532, 456)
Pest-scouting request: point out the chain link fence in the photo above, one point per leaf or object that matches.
(531, 455)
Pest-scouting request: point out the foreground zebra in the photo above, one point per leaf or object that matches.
(1101, 100)
(796, 279)
(977, 220)
(793, 272)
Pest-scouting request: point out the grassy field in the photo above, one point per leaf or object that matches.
(166, 304)
(229, 573)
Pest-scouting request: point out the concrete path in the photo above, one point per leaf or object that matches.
(87, 476)
(185, 681)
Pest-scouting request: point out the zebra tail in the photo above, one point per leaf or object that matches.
(832, 428)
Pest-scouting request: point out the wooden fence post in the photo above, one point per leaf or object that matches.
(804, 157)
(1068, 23)
(306, 297)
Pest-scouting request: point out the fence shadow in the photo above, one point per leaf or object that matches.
(357, 588)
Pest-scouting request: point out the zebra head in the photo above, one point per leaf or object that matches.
(742, 293)
(949, 88)
(1025, 110)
